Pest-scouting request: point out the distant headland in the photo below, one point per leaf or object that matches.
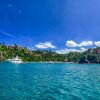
(8, 52)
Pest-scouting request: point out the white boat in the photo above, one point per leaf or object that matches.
(16, 60)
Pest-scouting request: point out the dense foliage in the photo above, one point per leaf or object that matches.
(89, 56)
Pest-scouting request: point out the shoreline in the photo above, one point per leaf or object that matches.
(52, 62)
(49, 62)
(41, 62)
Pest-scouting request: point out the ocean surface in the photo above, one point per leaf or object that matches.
(43, 81)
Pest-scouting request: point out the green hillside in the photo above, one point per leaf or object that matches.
(89, 56)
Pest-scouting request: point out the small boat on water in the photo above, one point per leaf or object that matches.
(15, 60)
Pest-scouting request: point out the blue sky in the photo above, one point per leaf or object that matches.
(50, 23)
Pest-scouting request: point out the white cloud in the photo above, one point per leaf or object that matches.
(97, 43)
(64, 51)
(82, 49)
(72, 43)
(45, 45)
(86, 43)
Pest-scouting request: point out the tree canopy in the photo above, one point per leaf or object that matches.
(7, 52)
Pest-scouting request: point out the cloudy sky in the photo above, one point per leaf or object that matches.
(60, 25)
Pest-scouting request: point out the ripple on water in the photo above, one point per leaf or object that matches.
(35, 81)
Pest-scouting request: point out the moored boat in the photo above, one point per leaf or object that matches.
(16, 60)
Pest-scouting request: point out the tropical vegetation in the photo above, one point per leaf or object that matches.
(89, 56)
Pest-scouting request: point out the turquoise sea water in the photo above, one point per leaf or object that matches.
(42, 81)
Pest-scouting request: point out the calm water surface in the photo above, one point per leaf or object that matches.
(42, 81)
